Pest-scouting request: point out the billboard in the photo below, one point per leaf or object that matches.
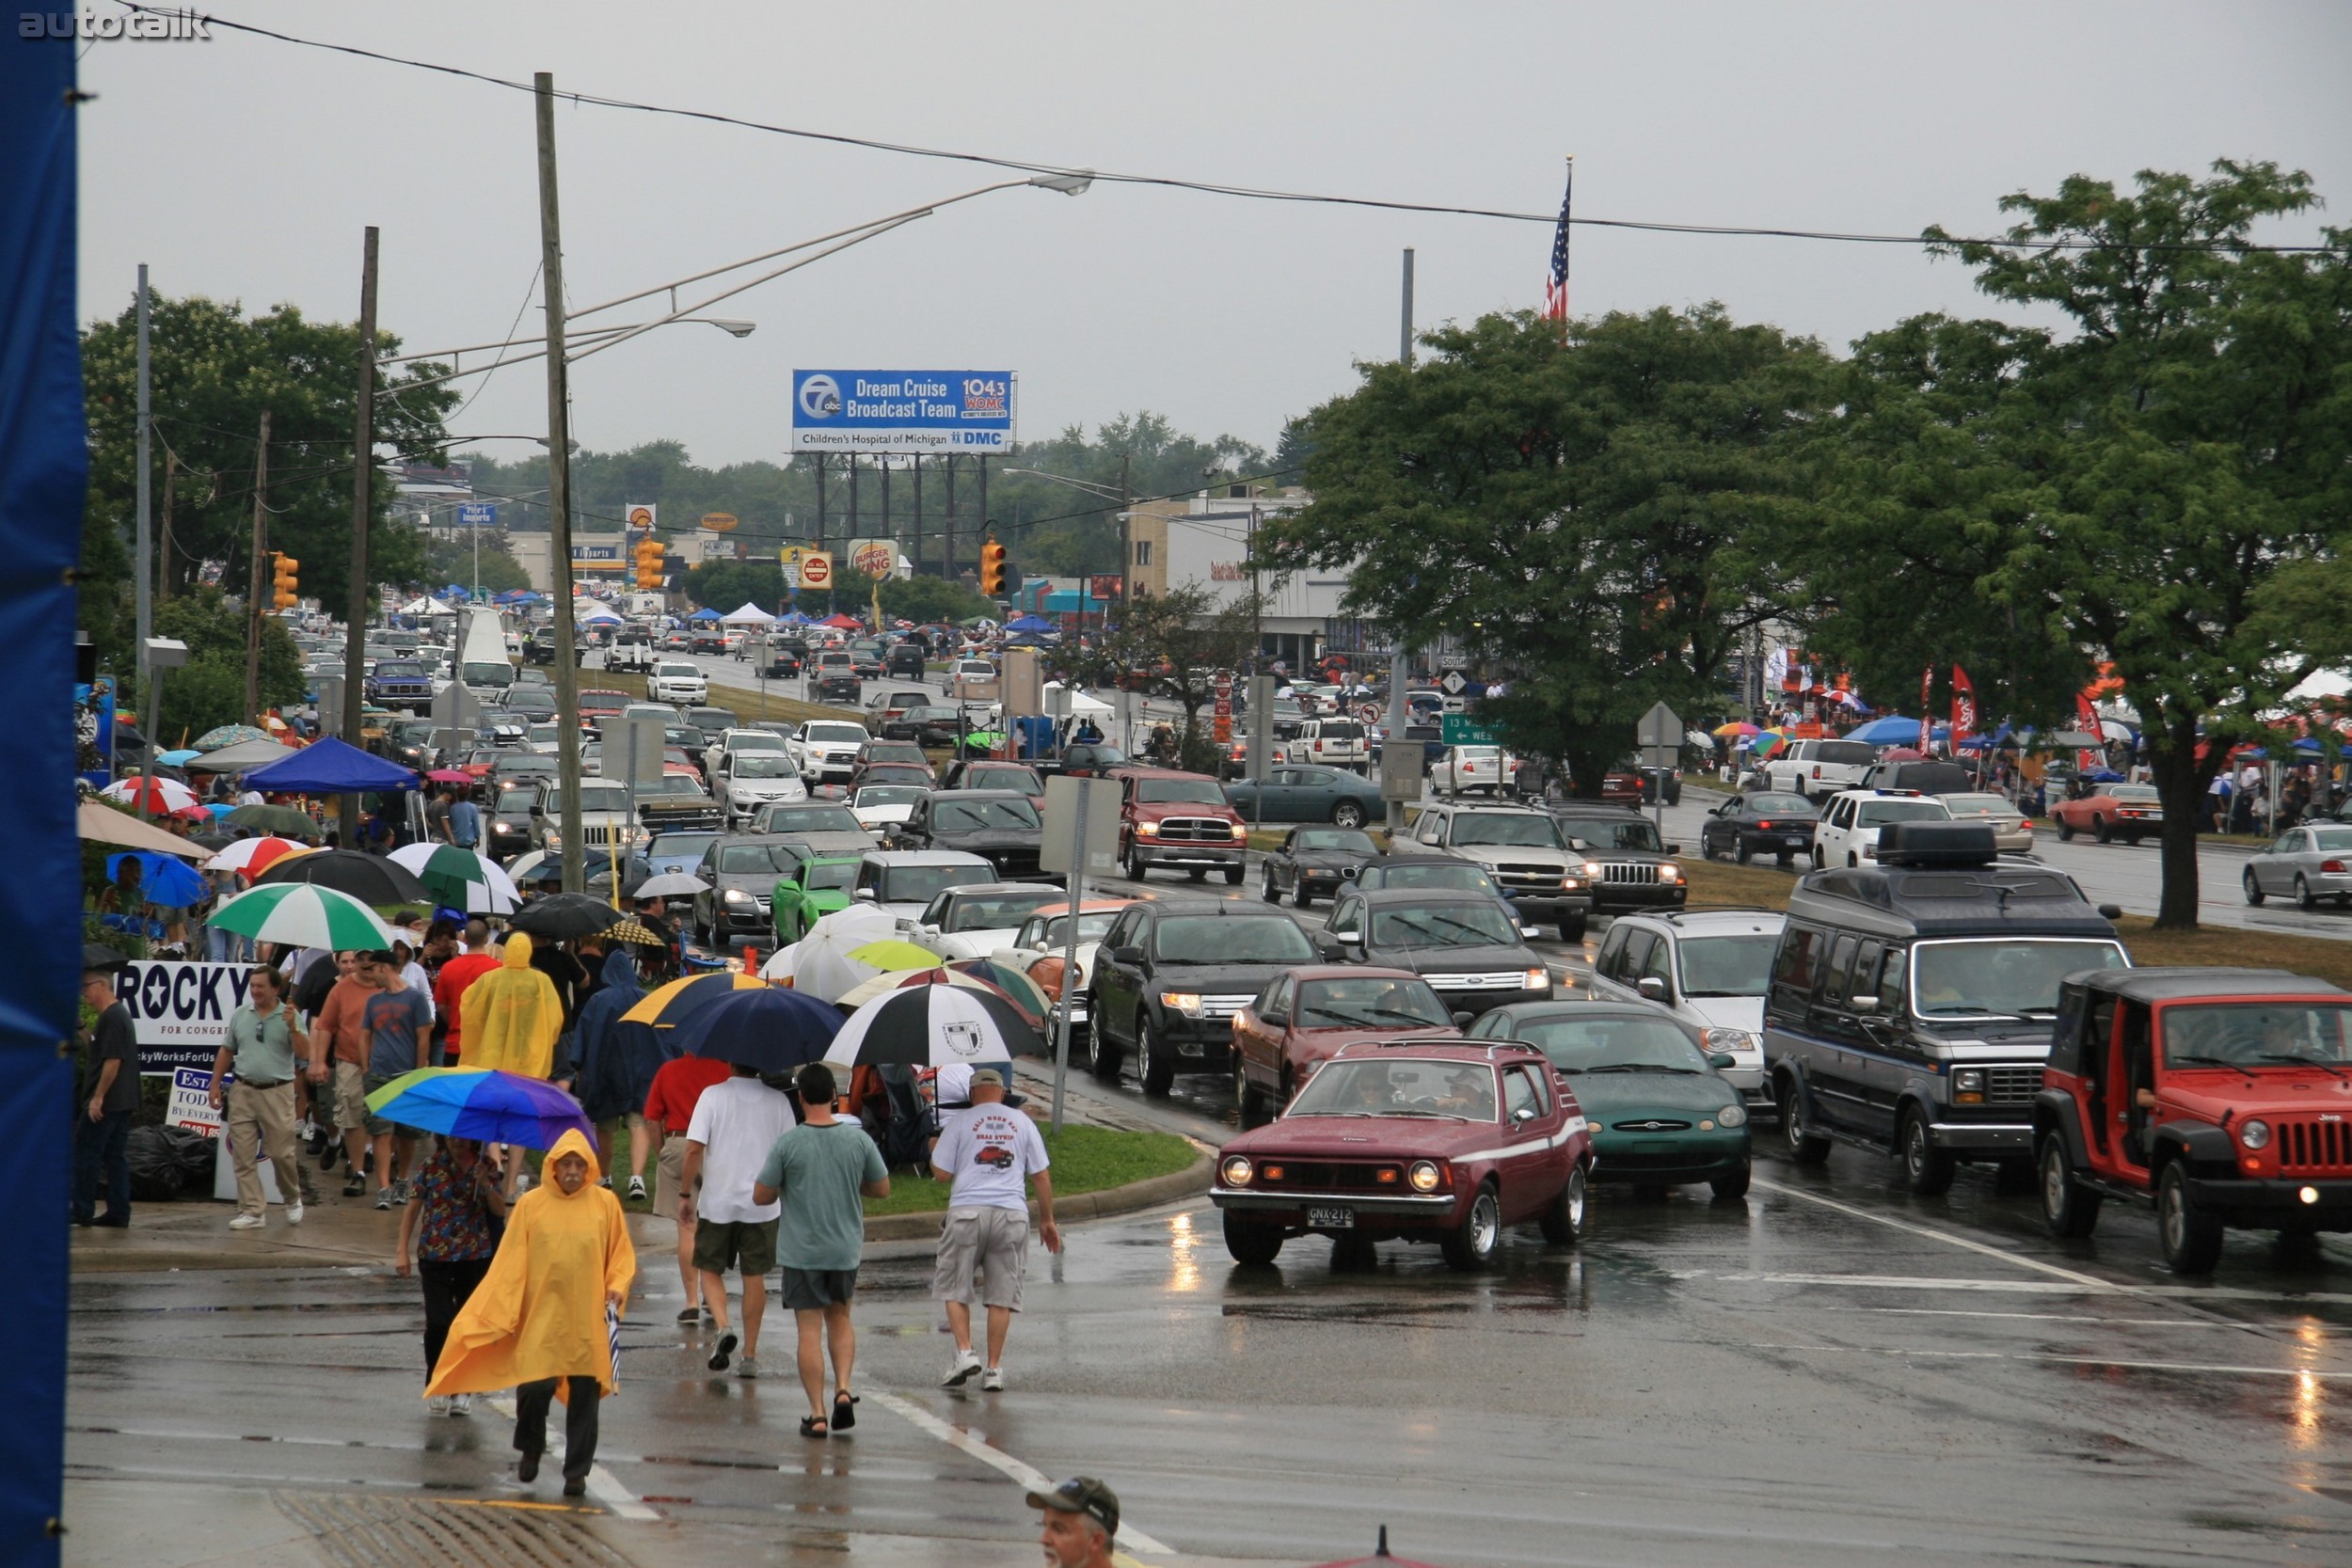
(875, 558)
(908, 411)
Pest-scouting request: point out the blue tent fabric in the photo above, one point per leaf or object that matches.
(331, 766)
(1030, 623)
(705, 614)
(44, 472)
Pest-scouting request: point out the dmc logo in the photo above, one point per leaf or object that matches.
(821, 397)
(138, 25)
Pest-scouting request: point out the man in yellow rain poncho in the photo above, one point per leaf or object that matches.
(510, 1017)
(537, 1322)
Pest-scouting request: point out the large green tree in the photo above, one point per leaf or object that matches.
(1171, 645)
(1582, 513)
(209, 690)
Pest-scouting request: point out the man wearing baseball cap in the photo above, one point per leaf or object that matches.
(1081, 1520)
(990, 1151)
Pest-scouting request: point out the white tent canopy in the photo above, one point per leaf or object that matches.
(590, 613)
(749, 615)
(1082, 706)
(427, 605)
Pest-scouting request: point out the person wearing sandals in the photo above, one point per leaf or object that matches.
(989, 1153)
(450, 1231)
(735, 1124)
(820, 1172)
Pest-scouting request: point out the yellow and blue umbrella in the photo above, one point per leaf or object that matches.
(488, 1103)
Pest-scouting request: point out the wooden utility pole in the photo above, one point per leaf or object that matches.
(253, 594)
(560, 500)
(363, 511)
(163, 553)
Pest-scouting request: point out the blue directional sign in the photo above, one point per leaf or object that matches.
(902, 411)
(477, 514)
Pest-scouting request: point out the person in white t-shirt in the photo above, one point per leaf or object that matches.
(988, 1152)
(735, 1124)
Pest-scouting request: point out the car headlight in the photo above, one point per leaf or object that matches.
(1234, 830)
(737, 896)
(555, 839)
(1147, 830)
(1669, 872)
(1238, 1170)
(1968, 1079)
(1186, 1001)
(1711, 1040)
(1592, 868)
(1732, 1115)
(1570, 883)
(1424, 1176)
(1537, 979)
(2254, 1134)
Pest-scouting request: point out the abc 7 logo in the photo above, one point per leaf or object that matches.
(821, 397)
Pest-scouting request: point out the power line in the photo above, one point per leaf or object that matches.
(1247, 193)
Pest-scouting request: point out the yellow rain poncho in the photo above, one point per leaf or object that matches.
(510, 1017)
(539, 1313)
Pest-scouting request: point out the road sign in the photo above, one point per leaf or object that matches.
(477, 514)
(1459, 729)
(638, 515)
(1658, 727)
(456, 707)
(1061, 850)
(1371, 713)
(1454, 683)
(1452, 661)
(719, 522)
(816, 569)
(1221, 722)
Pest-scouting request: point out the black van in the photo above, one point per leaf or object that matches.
(1911, 1001)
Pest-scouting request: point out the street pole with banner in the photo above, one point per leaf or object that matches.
(1081, 835)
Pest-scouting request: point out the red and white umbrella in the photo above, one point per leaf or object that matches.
(163, 795)
(249, 857)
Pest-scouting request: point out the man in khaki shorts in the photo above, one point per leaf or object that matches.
(988, 1151)
(339, 1055)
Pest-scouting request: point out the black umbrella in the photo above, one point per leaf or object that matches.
(127, 738)
(934, 1026)
(370, 878)
(767, 1028)
(562, 915)
(96, 954)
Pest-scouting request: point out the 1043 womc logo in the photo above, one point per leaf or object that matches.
(143, 23)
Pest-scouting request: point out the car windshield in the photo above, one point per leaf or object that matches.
(2138, 795)
(999, 911)
(1728, 966)
(1853, 753)
(895, 772)
(1351, 841)
(1463, 925)
(514, 799)
(889, 795)
(1508, 828)
(675, 671)
(474, 674)
(682, 849)
(1054, 933)
(950, 815)
(1613, 832)
(1878, 813)
(2257, 1033)
(920, 884)
(673, 783)
(400, 670)
(1764, 805)
(1978, 805)
(811, 819)
(829, 876)
(1170, 792)
(1468, 877)
(594, 796)
(1334, 729)
(897, 751)
(1464, 1091)
(852, 733)
(1369, 1002)
(763, 764)
(2331, 838)
(1210, 938)
(2001, 977)
(1020, 779)
(1618, 1042)
(743, 859)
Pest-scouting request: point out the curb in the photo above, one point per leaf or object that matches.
(1148, 1193)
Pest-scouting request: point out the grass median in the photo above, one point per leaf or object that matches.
(745, 704)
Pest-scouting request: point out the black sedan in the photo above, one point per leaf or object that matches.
(998, 825)
(739, 873)
(1317, 862)
(1430, 871)
(1471, 948)
(929, 726)
(1747, 825)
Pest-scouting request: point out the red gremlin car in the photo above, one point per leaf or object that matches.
(1310, 1015)
(2222, 1096)
(1413, 1140)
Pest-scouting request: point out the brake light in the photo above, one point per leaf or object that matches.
(2333, 868)
(1763, 825)
(1816, 771)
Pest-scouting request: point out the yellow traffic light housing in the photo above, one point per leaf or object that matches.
(651, 562)
(992, 569)
(289, 588)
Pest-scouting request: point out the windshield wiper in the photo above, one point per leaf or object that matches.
(2305, 1061)
(1443, 1115)
(2210, 1061)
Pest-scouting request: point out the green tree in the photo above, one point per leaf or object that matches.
(449, 559)
(1172, 646)
(209, 690)
(1585, 514)
(1051, 530)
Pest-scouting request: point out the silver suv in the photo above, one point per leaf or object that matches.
(1709, 968)
(1523, 850)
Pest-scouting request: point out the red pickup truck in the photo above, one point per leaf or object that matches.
(1180, 820)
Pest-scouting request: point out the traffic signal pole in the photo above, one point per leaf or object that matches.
(560, 497)
(362, 505)
(253, 593)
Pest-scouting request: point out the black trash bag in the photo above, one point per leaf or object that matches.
(167, 1162)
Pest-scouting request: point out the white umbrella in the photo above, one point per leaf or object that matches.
(669, 884)
(819, 962)
(920, 1026)
(304, 914)
(488, 890)
(170, 795)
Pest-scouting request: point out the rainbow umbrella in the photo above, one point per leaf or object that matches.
(1737, 727)
(1766, 743)
(667, 1007)
(488, 1103)
(249, 857)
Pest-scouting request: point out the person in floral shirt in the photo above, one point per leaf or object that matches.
(451, 1228)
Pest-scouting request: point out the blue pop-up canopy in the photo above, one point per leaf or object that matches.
(331, 766)
(705, 614)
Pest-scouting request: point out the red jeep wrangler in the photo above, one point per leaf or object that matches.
(2225, 1095)
(1178, 820)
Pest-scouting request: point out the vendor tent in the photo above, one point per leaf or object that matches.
(705, 614)
(258, 753)
(104, 825)
(331, 766)
(749, 615)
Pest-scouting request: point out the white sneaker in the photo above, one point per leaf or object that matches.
(961, 1369)
(438, 1405)
(461, 1404)
(246, 1222)
(993, 1380)
(293, 1214)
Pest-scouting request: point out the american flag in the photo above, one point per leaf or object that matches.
(1556, 286)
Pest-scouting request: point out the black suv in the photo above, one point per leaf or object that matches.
(998, 825)
(1169, 977)
(1635, 870)
(905, 662)
(1469, 947)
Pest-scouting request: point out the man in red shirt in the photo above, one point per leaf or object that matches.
(339, 1059)
(456, 974)
(678, 1087)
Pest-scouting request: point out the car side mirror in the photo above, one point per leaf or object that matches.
(1673, 849)
(2110, 912)
(1531, 932)
(1862, 1005)
(1578, 845)
(1523, 1114)
(1462, 1021)
(1126, 955)
(1651, 987)
(865, 896)
(1721, 1059)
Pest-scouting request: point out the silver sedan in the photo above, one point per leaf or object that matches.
(2012, 833)
(2308, 864)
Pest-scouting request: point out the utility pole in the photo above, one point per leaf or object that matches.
(1400, 655)
(1126, 545)
(560, 498)
(253, 593)
(145, 554)
(362, 507)
(163, 577)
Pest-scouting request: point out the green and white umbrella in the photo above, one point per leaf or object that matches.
(304, 914)
(460, 878)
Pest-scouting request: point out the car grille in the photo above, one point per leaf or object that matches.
(1639, 872)
(681, 819)
(1327, 1175)
(2011, 1086)
(1223, 1006)
(1017, 862)
(1616, 1161)
(2308, 1147)
(1650, 1124)
(1196, 829)
(1508, 979)
(1528, 875)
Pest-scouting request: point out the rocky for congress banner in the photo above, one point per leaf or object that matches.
(181, 1010)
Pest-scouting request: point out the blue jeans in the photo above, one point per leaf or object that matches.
(104, 1143)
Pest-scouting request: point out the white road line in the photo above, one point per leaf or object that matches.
(2040, 1317)
(602, 1484)
(1030, 1479)
(1912, 1352)
(2088, 1282)
(2034, 1286)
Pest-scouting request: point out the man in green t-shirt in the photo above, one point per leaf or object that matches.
(819, 1170)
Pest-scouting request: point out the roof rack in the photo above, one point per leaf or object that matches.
(1676, 915)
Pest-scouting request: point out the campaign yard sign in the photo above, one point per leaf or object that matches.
(179, 1011)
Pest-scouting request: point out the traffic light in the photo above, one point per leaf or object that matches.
(650, 561)
(288, 590)
(992, 569)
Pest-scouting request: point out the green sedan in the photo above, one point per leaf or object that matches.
(814, 888)
(1661, 1115)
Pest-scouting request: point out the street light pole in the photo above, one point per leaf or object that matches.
(146, 555)
(559, 494)
(362, 505)
(1400, 654)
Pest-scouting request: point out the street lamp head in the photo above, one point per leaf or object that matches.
(1068, 184)
(733, 327)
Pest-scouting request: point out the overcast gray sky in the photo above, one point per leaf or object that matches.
(245, 169)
